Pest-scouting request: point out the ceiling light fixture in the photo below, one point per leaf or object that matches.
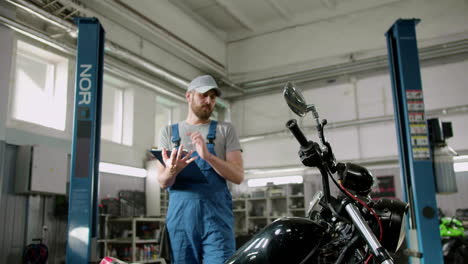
(122, 170)
(460, 166)
(259, 182)
(461, 157)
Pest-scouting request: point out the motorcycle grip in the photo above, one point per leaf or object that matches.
(296, 131)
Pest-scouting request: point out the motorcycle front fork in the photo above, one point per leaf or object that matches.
(380, 253)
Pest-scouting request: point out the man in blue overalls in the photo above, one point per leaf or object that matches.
(200, 219)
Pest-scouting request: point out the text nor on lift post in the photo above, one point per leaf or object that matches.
(85, 84)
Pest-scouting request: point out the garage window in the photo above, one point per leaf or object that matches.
(164, 115)
(117, 115)
(40, 87)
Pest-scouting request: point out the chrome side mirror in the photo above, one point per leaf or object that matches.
(297, 103)
(295, 99)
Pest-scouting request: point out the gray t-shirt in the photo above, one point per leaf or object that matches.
(226, 137)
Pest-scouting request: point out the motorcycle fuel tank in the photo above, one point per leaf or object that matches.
(286, 240)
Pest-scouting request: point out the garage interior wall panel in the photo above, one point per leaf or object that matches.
(271, 152)
(21, 217)
(263, 114)
(41, 210)
(344, 142)
(374, 96)
(143, 122)
(378, 140)
(161, 57)
(12, 207)
(334, 102)
(6, 42)
(445, 85)
(371, 97)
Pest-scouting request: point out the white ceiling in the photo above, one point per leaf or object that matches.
(241, 19)
(252, 45)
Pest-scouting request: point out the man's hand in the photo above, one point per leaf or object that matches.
(177, 161)
(232, 169)
(200, 145)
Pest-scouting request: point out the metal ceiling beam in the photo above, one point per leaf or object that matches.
(112, 65)
(280, 10)
(39, 12)
(447, 111)
(330, 4)
(459, 47)
(237, 14)
(186, 47)
(110, 47)
(36, 34)
(182, 5)
(49, 4)
(165, 35)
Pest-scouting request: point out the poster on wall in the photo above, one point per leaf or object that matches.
(384, 187)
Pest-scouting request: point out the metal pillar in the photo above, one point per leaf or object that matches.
(82, 214)
(415, 157)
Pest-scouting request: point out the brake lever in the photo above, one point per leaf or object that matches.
(328, 156)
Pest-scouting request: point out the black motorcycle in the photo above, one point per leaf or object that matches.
(349, 228)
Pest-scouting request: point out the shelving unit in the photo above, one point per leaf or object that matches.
(143, 248)
(164, 202)
(266, 204)
(239, 207)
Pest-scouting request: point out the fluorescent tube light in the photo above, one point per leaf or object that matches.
(269, 171)
(247, 139)
(259, 182)
(122, 170)
(460, 166)
(461, 157)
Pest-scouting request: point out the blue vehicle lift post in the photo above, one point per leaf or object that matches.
(83, 211)
(415, 157)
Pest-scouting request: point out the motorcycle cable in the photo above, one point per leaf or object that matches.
(330, 157)
(312, 252)
(370, 210)
(335, 214)
(350, 195)
(345, 249)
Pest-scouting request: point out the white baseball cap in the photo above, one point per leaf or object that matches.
(203, 84)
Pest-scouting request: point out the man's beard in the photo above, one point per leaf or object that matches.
(203, 112)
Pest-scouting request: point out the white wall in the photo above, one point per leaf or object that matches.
(6, 42)
(444, 86)
(173, 19)
(12, 133)
(333, 40)
(160, 47)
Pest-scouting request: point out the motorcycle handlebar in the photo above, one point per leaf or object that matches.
(296, 131)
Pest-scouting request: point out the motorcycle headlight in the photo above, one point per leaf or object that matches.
(393, 216)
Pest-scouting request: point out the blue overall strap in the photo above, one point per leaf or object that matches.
(175, 135)
(212, 132)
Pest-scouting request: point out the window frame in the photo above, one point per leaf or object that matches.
(170, 106)
(127, 118)
(14, 123)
